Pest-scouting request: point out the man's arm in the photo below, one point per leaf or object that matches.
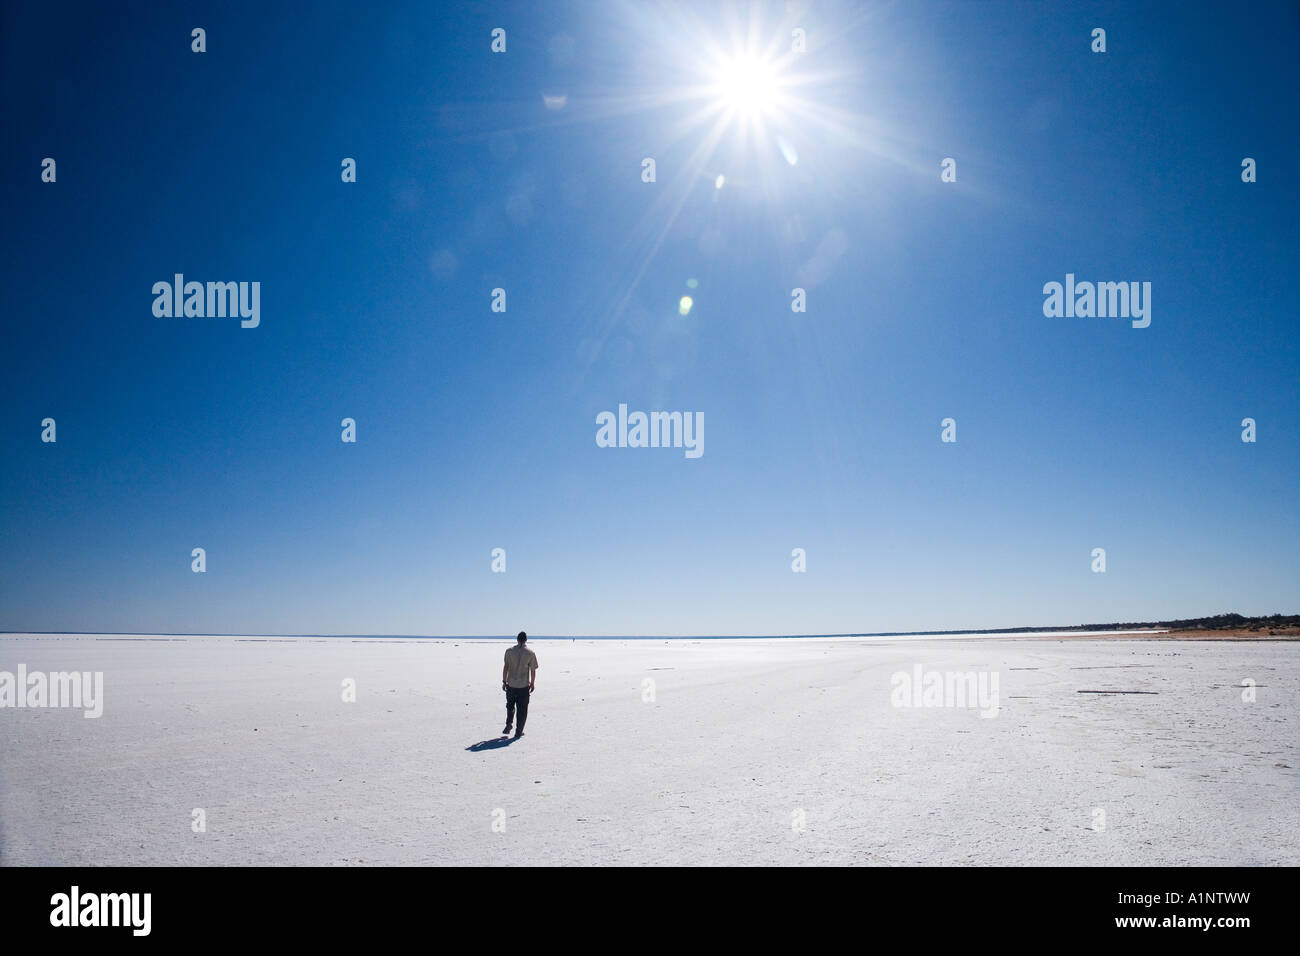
(505, 669)
(532, 676)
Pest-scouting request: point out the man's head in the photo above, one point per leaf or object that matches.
(522, 637)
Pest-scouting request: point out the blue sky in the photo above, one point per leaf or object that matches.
(476, 429)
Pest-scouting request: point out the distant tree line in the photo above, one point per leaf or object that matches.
(1219, 622)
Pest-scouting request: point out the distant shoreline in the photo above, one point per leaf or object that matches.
(1221, 627)
(1290, 632)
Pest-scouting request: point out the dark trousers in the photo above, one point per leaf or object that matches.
(516, 696)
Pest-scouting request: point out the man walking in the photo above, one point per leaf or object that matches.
(518, 677)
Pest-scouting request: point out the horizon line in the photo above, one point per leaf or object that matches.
(1144, 625)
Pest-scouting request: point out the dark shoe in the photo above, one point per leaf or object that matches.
(518, 734)
(506, 731)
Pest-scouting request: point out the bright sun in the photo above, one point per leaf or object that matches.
(747, 85)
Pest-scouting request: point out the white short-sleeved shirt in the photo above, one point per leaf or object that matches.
(519, 660)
